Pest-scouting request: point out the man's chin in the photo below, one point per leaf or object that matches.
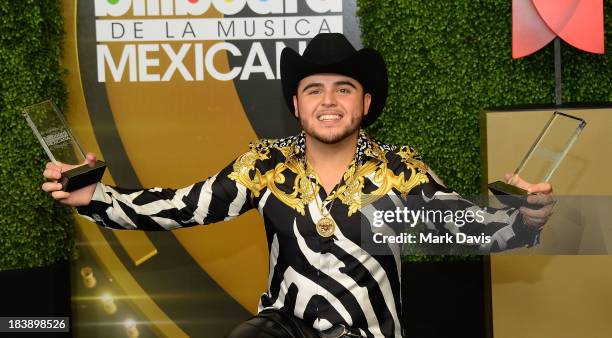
(331, 134)
(328, 139)
(331, 137)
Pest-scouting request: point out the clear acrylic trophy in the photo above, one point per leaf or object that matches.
(542, 160)
(50, 128)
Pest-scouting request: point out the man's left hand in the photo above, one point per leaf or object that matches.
(540, 194)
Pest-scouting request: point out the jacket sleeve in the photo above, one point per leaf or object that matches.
(448, 212)
(502, 227)
(215, 199)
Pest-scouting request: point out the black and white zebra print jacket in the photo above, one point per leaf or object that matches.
(323, 280)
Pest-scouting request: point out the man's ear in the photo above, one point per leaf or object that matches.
(295, 107)
(367, 100)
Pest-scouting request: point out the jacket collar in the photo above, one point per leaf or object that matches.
(367, 148)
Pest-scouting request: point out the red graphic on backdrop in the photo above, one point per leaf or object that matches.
(537, 22)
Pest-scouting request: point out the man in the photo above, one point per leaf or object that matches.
(309, 191)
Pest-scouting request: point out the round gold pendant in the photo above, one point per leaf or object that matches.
(326, 227)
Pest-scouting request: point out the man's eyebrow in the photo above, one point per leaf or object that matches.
(345, 82)
(313, 84)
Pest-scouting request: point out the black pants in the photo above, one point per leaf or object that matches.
(273, 324)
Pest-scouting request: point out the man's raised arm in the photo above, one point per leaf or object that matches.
(506, 227)
(212, 200)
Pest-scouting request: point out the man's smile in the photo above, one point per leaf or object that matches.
(329, 116)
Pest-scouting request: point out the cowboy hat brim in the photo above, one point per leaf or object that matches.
(366, 66)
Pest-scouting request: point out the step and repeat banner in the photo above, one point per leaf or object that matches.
(168, 92)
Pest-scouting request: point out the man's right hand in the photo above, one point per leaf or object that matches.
(53, 172)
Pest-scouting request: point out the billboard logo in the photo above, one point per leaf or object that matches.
(199, 7)
(537, 22)
(148, 35)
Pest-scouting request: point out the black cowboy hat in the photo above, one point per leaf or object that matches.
(333, 53)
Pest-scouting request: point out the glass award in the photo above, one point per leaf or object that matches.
(52, 131)
(543, 158)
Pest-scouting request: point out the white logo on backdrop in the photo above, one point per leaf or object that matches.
(147, 31)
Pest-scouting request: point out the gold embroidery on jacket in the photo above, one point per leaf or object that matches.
(387, 179)
(245, 163)
(302, 192)
(349, 193)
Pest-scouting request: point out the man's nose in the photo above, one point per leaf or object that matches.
(329, 99)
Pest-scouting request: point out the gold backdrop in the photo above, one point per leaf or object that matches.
(552, 296)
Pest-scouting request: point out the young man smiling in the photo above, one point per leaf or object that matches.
(330, 108)
(309, 190)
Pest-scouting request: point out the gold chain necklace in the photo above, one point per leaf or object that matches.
(326, 227)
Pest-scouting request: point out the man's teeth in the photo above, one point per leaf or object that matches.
(329, 117)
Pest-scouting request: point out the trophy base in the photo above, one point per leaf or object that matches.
(82, 176)
(511, 195)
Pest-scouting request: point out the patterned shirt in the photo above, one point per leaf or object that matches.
(325, 281)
